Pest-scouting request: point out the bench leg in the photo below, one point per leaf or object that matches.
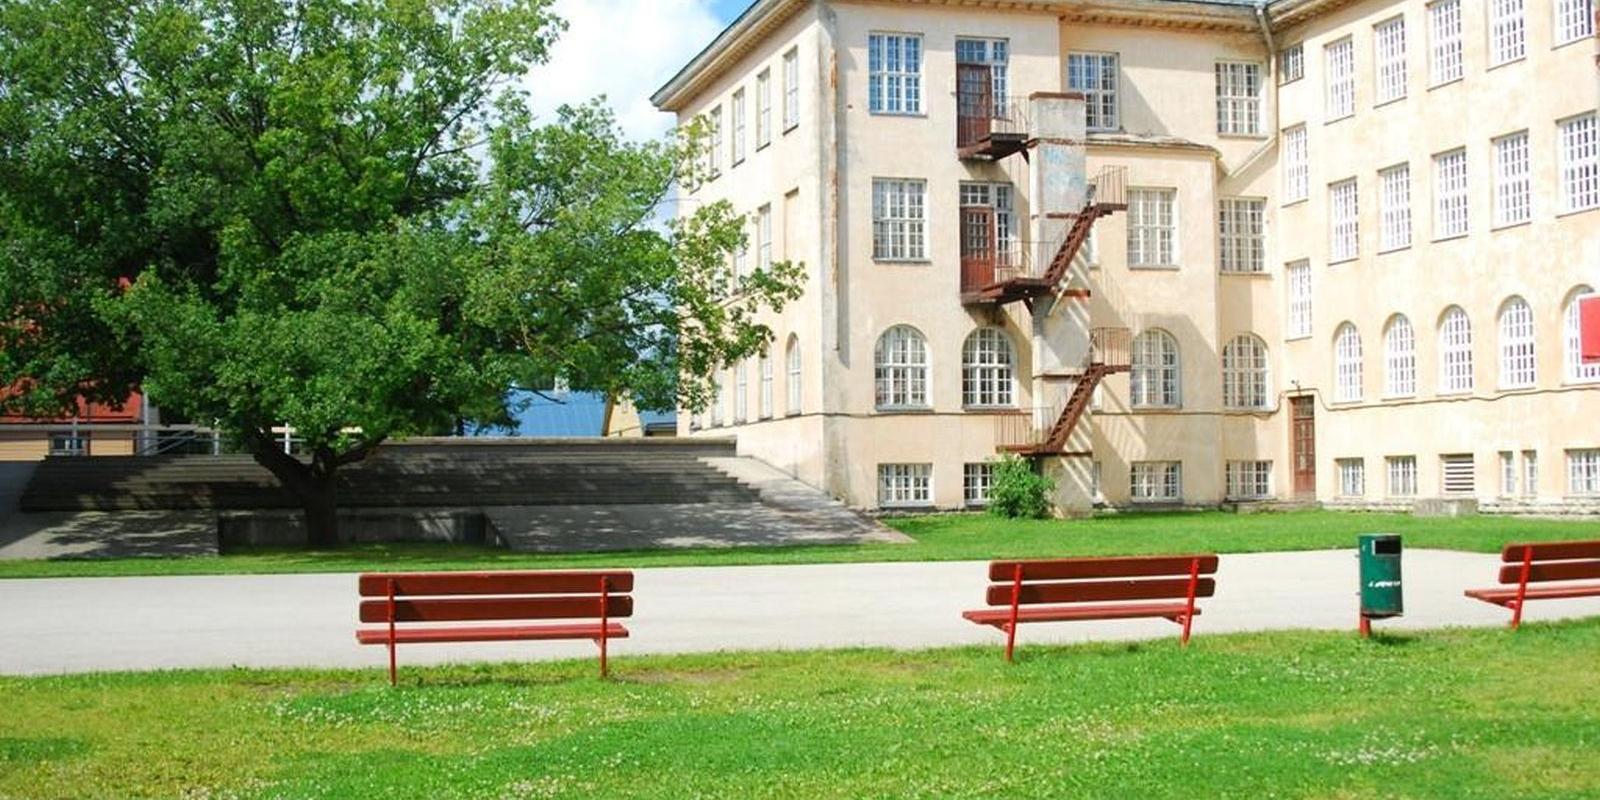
(393, 680)
(1186, 620)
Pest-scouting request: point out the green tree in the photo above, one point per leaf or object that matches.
(341, 216)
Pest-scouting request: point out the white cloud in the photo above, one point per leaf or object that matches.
(624, 49)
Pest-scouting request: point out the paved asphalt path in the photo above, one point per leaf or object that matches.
(91, 624)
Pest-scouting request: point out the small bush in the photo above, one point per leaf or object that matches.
(1018, 491)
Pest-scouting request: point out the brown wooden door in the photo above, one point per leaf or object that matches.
(977, 247)
(974, 103)
(1303, 433)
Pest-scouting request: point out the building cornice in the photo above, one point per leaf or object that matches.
(736, 40)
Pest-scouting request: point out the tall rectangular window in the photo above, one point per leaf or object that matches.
(1155, 481)
(1389, 47)
(905, 485)
(737, 109)
(1296, 165)
(894, 73)
(1508, 39)
(1583, 472)
(976, 481)
(763, 108)
(1508, 473)
(1530, 473)
(766, 384)
(1152, 227)
(1344, 235)
(1299, 280)
(1238, 97)
(1580, 163)
(1249, 480)
(1574, 20)
(741, 393)
(994, 54)
(1402, 476)
(899, 220)
(1291, 63)
(1243, 234)
(1352, 477)
(1095, 75)
(1001, 222)
(1444, 42)
(714, 150)
(1450, 194)
(1340, 58)
(1512, 190)
(1459, 474)
(1394, 205)
(764, 237)
(791, 89)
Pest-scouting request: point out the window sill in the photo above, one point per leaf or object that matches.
(1399, 397)
(1454, 393)
(1399, 248)
(1346, 260)
(901, 114)
(1350, 115)
(1570, 42)
(1450, 82)
(1299, 338)
(1576, 211)
(1508, 62)
(921, 505)
(1391, 101)
(1259, 137)
(1292, 80)
(911, 411)
(1295, 202)
(1509, 225)
(1138, 409)
(1153, 267)
(763, 145)
(1234, 273)
(791, 126)
(735, 163)
(1170, 502)
(904, 262)
(1521, 387)
(999, 409)
(1452, 237)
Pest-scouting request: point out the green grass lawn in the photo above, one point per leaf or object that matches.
(939, 537)
(1447, 714)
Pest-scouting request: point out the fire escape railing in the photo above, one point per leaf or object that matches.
(1034, 433)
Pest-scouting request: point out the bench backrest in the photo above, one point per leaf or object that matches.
(1551, 561)
(1087, 580)
(486, 596)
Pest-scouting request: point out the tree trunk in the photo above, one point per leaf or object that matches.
(310, 483)
(320, 504)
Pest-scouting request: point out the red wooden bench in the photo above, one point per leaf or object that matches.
(514, 600)
(1095, 588)
(1551, 562)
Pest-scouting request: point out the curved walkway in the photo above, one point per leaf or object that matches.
(85, 624)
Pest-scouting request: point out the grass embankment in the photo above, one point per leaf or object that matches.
(1447, 714)
(938, 537)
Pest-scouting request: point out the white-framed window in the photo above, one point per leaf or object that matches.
(1155, 481)
(1394, 206)
(1291, 63)
(994, 54)
(791, 89)
(1450, 194)
(998, 198)
(1402, 476)
(1389, 51)
(736, 107)
(1097, 493)
(1574, 20)
(1095, 75)
(1508, 40)
(905, 485)
(900, 366)
(1517, 368)
(899, 219)
(1299, 281)
(1242, 227)
(1244, 373)
(719, 399)
(1580, 163)
(1508, 473)
(1152, 227)
(1153, 381)
(1399, 358)
(765, 363)
(1583, 472)
(1352, 476)
(792, 364)
(1347, 364)
(1513, 201)
(1249, 480)
(1340, 58)
(1444, 42)
(763, 108)
(68, 444)
(714, 140)
(976, 481)
(1572, 344)
(894, 73)
(741, 255)
(988, 370)
(764, 237)
(1238, 97)
(1459, 474)
(1530, 473)
(1296, 165)
(1455, 352)
(741, 393)
(1344, 233)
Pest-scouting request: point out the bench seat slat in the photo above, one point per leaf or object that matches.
(459, 583)
(1061, 569)
(462, 609)
(1551, 571)
(999, 594)
(1552, 551)
(494, 633)
(1002, 617)
(1505, 596)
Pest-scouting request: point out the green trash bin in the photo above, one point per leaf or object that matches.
(1380, 576)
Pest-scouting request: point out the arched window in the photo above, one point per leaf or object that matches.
(900, 364)
(1347, 364)
(1455, 351)
(1576, 370)
(1516, 345)
(988, 369)
(1399, 358)
(792, 362)
(766, 383)
(1244, 372)
(1154, 381)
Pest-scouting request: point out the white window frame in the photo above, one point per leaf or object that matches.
(1241, 224)
(1291, 63)
(899, 219)
(977, 480)
(1339, 60)
(736, 141)
(1574, 20)
(1249, 480)
(763, 108)
(1513, 188)
(1352, 474)
(1390, 74)
(1583, 472)
(901, 366)
(791, 89)
(1450, 195)
(988, 370)
(741, 393)
(1446, 59)
(1296, 165)
(1518, 366)
(1246, 374)
(1298, 278)
(1344, 221)
(1578, 145)
(1399, 358)
(1530, 473)
(719, 391)
(1152, 227)
(793, 376)
(1508, 473)
(994, 54)
(905, 485)
(1347, 364)
(1402, 476)
(1097, 76)
(1238, 85)
(764, 237)
(894, 73)
(1508, 31)
(1394, 204)
(1155, 379)
(765, 370)
(1155, 482)
(1455, 352)
(714, 141)
(1575, 371)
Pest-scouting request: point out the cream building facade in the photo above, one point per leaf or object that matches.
(1331, 249)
